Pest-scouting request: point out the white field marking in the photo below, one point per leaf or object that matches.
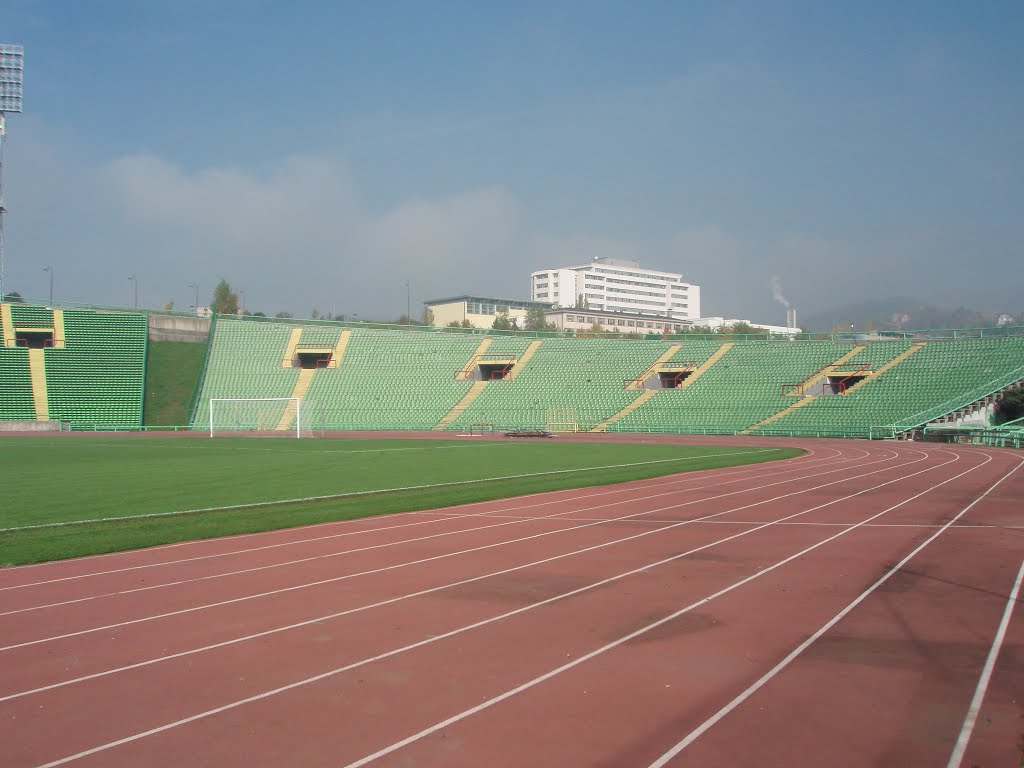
(697, 732)
(678, 479)
(374, 492)
(620, 641)
(358, 609)
(986, 675)
(669, 521)
(213, 447)
(805, 458)
(461, 630)
(452, 554)
(523, 518)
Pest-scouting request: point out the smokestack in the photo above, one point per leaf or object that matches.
(791, 318)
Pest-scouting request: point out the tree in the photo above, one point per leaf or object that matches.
(168, 306)
(454, 324)
(1009, 407)
(501, 322)
(225, 301)
(14, 298)
(535, 320)
(284, 315)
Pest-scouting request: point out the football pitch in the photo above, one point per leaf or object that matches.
(73, 496)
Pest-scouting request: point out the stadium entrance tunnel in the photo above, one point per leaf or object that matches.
(671, 379)
(837, 385)
(313, 358)
(495, 371)
(34, 339)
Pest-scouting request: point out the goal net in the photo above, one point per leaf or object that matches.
(268, 415)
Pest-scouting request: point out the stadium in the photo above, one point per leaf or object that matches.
(605, 521)
(723, 476)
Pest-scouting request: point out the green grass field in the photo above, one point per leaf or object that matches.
(67, 497)
(172, 368)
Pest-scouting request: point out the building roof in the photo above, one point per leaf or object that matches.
(490, 300)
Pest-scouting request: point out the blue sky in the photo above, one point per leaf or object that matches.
(317, 155)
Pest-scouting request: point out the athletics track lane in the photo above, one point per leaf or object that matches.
(450, 678)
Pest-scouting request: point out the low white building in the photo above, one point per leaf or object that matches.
(480, 311)
(613, 285)
(571, 319)
(715, 323)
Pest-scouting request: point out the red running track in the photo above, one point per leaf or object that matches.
(856, 606)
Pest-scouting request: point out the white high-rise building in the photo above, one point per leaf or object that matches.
(614, 285)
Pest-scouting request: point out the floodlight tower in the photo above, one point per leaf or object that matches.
(12, 64)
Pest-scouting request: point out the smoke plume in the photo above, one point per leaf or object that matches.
(776, 286)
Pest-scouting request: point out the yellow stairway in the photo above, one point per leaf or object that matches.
(467, 369)
(289, 353)
(644, 396)
(469, 397)
(37, 369)
(647, 394)
(8, 324)
(339, 348)
(775, 416)
(58, 328)
(301, 386)
(662, 359)
(917, 347)
(531, 350)
(827, 371)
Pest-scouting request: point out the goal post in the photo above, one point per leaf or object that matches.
(267, 415)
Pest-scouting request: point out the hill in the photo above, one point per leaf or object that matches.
(900, 313)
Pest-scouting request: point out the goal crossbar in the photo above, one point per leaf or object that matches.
(262, 414)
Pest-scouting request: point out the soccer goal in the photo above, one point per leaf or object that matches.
(269, 415)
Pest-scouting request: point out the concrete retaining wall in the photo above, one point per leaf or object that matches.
(178, 328)
(51, 425)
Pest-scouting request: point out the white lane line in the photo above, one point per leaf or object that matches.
(986, 675)
(678, 479)
(348, 611)
(478, 578)
(453, 533)
(488, 515)
(371, 492)
(517, 611)
(697, 732)
(627, 638)
(547, 501)
(798, 523)
(805, 458)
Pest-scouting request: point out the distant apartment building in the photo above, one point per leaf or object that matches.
(614, 285)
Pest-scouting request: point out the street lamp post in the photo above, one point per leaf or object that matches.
(196, 306)
(135, 290)
(50, 270)
(408, 305)
(241, 299)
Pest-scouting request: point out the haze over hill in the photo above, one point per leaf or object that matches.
(901, 313)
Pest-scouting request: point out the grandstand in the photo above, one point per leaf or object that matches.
(86, 368)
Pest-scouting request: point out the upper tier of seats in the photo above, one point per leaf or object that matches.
(408, 379)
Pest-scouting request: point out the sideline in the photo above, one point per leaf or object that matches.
(374, 492)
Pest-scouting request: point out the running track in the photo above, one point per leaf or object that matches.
(856, 606)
